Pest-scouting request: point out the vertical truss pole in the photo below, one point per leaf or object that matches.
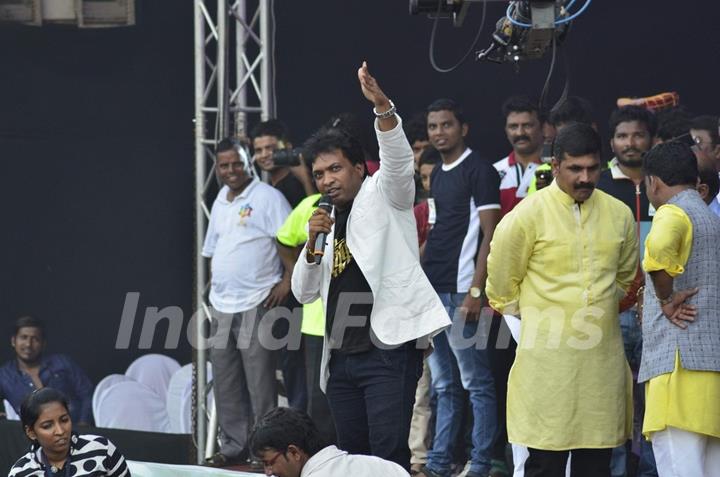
(222, 70)
(266, 100)
(240, 103)
(220, 97)
(199, 375)
(252, 93)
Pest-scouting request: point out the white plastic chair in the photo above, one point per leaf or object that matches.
(10, 413)
(179, 391)
(102, 387)
(154, 371)
(179, 399)
(134, 406)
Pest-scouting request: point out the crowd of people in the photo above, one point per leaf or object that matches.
(427, 264)
(550, 313)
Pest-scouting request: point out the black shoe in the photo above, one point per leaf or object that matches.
(221, 460)
(425, 472)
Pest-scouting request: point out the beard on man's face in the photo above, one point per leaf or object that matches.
(632, 163)
(635, 160)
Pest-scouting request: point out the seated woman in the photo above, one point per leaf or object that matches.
(55, 449)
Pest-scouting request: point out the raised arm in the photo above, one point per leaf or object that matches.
(396, 176)
(375, 95)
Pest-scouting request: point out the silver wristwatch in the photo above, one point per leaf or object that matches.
(389, 113)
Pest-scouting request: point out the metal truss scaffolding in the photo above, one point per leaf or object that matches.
(233, 84)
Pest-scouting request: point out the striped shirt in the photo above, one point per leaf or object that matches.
(89, 456)
(514, 181)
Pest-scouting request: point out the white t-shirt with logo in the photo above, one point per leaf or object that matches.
(241, 242)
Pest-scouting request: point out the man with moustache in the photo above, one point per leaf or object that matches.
(524, 131)
(559, 262)
(633, 130)
(247, 280)
(574, 109)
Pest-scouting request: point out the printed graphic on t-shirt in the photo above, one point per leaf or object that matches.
(245, 213)
(341, 257)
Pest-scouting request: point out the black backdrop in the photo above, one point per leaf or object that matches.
(97, 148)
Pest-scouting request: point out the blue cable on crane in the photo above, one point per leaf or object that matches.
(574, 15)
(558, 22)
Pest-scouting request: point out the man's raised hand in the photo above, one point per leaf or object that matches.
(371, 90)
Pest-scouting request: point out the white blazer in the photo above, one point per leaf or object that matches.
(332, 462)
(382, 237)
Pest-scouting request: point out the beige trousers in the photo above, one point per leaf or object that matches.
(419, 439)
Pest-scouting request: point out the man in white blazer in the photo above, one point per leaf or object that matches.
(379, 304)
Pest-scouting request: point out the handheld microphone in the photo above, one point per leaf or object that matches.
(319, 249)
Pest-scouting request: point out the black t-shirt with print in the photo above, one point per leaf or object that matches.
(348, 286)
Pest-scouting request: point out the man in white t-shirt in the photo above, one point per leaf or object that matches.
(288, 444)
(247, 279)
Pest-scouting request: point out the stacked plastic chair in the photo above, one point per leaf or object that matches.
(179, 399)
(136, 400)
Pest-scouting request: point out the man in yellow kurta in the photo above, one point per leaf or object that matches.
(560, 261)
(681, 319)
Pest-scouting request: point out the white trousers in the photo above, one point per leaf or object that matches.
(680, 453)
(521, 454)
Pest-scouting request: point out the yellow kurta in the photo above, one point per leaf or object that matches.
(685, 399)
(563, 268)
